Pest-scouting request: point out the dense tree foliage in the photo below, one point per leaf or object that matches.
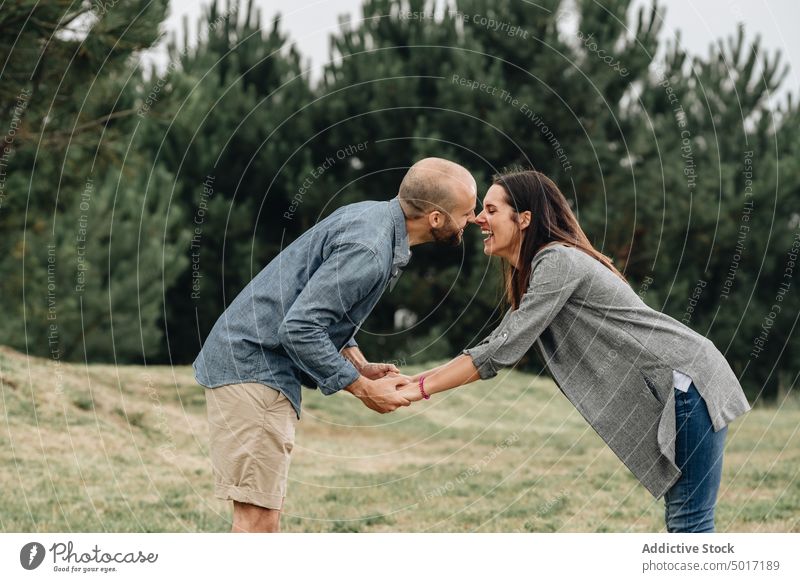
(137, 202)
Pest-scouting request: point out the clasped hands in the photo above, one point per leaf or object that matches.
(383, 388)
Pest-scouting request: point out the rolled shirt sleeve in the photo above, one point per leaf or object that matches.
(349, 275)
(553, 281)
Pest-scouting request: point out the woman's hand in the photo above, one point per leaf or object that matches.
(457, 372)
(410, 392)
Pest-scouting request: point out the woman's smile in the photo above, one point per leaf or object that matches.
(499, 224)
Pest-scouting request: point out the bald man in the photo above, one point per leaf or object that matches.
(295, 323)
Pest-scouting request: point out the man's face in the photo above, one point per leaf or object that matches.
(452, 231)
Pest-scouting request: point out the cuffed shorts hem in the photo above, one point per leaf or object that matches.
(245, 495)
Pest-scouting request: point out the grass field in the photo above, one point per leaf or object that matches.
(119, 449)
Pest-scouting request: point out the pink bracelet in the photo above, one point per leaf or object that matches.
(425, 395)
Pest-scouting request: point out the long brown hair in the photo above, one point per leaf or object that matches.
(552, 221)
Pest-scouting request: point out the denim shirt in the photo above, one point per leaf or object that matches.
(288, 325)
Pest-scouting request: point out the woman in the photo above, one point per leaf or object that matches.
(659, 394)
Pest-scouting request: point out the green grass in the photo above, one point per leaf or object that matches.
(105, 448)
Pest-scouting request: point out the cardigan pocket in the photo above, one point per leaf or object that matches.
(651, 388)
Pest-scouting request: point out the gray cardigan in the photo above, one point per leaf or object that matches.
(612, 356)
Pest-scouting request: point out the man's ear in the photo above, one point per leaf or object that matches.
(524, 219)
(435, 219)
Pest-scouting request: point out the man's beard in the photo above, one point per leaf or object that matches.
(447, 235)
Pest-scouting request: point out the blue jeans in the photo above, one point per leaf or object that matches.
(690, 502)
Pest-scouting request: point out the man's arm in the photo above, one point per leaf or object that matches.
(347, 276)
(366, 368)
(354, 355)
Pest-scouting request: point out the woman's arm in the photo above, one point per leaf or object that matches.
(555, 281)
(456, 372)
(415, 378)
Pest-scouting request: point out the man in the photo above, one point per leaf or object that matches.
(294, 323)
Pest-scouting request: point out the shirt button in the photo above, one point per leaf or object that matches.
(505, 334)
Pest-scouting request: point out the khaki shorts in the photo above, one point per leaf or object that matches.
(251, 429)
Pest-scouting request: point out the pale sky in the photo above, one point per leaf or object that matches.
(701, 22)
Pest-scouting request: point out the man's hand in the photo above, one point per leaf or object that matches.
(365, 368)
(377, 371)
(379, 395)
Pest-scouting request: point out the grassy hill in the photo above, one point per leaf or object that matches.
(106, 448)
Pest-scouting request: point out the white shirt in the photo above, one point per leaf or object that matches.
(681, 381)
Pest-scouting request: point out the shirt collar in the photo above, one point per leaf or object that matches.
(402, 250)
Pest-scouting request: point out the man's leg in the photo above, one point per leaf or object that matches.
(248, 518)
(251, 430)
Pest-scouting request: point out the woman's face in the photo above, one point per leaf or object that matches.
(501, 225)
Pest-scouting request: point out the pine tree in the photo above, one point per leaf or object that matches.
(230, 122)
(715, 250)
(90, 245)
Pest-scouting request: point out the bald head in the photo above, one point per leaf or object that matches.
(435, 184)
